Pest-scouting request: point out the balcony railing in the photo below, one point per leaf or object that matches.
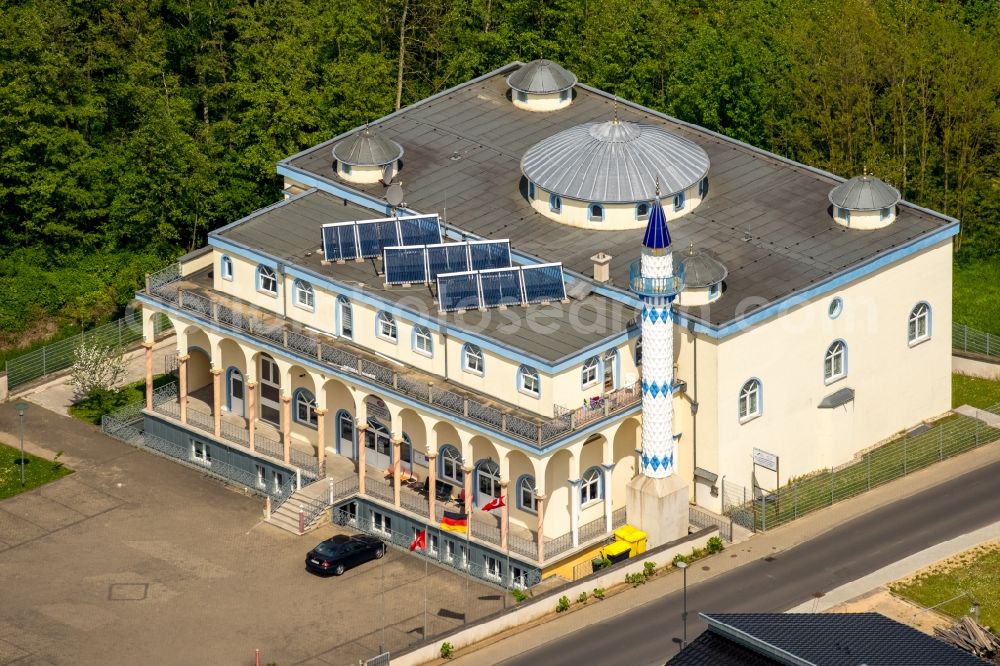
(666, 287)
(232, 314)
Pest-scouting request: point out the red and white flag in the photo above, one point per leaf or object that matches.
(419, 541)
(495, 503)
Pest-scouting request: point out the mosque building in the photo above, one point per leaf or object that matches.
(601, 313)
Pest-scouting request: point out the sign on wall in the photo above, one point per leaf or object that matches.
(419, 459)
(765, 459)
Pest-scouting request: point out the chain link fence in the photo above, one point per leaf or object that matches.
(760, 510)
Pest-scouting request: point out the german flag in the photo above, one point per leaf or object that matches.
(455, 521)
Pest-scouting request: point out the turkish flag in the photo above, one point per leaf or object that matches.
(419, 541)
(495, 503)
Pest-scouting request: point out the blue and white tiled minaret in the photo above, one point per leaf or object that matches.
(656, 283)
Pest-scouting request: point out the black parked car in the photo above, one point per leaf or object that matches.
(339, 553)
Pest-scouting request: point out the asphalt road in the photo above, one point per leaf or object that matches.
(843, 554)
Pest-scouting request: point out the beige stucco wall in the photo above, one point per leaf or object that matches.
(616, 216)
(865, 220)
(542, 102)
(364, 174)
(698, 296)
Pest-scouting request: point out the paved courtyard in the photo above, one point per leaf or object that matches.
(136, 559)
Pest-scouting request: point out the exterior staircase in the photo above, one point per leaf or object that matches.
(311, 503)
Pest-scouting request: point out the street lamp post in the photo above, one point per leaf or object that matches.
(684, 614)
(21, 408)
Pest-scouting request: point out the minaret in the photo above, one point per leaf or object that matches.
(657, 499)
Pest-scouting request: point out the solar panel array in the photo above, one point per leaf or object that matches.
(365, 239)
(422, 264)
(519, 285)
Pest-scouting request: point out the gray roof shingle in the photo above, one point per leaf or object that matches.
(540, 77)
(864, 193)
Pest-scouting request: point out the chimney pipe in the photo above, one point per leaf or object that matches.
(602, 269)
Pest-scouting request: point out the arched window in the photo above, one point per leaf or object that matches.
(304, 296)
(642, 211)
(555, 203)
(385, 326)
(589, 375)
(487, 482)
(521, 96)
(305, 408)
(836, 307)
(596, 212)
(919, 327)
(422, 342)
(526, 500)
(472, 359)
(592, 486)
(531, 191)
(226, 268)
(750, 396)
(267, 282)
(835, 363)
(679, 201)
(703, 187)
(451, 465)
(346, 317)
(528, 381)
(610, 370)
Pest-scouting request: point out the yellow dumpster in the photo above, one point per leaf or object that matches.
(617, 551)
(633, 536)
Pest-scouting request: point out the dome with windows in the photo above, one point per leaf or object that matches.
(541, 85)
(604, 175)
(864, 202)
(703, 276)
(364, 157)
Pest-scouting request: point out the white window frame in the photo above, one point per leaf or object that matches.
(226, 268)
(640, 216)
(526, 488)
(381, 523)
(591, 487)
(201, 452)
(749, 400)
(261, 475)
(529, 381)
(473, 360)
(921, 313)
(305, 297)
(488, 472)
(450, 457)
(346, 317)
(449, 550)
(518, 577)
(385, 327)
(305, 400)
(592, 213)
(835, 362)
(589, 372)
(835, 308)
(423, 343)
(266, 273)
(679, 201)
(555, 203)
(492, 567)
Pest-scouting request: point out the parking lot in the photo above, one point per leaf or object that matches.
(136, 559)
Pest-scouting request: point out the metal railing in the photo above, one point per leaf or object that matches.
(618, 518)
(970, 340)
(659, 287)
(701, 519)
(593, 529)
(536, 431)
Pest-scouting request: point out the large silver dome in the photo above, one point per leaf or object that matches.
(540, 77)
(614, 162)
(367, 149)
(864, 193)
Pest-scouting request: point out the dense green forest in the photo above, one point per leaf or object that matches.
(130, 129)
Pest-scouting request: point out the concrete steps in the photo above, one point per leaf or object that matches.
(287, 515)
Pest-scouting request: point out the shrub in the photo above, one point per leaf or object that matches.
(679, 558)
(598, 592)
(696, 553)
(447, 650)
(601, 562)
(563, 604)
(648, 569)
(715, 545)
(635, 580)
(519, 594)
(582, 599)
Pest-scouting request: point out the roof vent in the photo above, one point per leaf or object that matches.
(864, 202)
(703, 276)
(541, 85)
(364, 157)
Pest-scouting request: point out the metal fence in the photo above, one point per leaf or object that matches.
(951, 436)
(701, 519)
(968, 339)
(60, 355)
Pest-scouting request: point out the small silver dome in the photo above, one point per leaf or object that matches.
(864, 193)
(701, 269)
(539, 77)
(614, 162)
(367, 149)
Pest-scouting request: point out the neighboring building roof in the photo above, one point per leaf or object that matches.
(540, 77)
(701, 269)
(367, 149)
(766, 218)
(817, 639)
(864, 193)
(614, 162)
(657, 236)
(289, 231)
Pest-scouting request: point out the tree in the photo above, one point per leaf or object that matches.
(98, 369)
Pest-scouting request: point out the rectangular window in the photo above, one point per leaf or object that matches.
(493, 569)
(432, 543)
(449, 550)
(531, 191)
(279, 481)
(201, 452)
(529, 383)
(381, 523)
(522, 96)
(261, 475)
(346, 320)
(226, 268)
(518, 577)
(465, 557)
(304, 296)
(679, 201)
(422, 340)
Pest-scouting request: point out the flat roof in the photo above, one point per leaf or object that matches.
(463, 152)
(290, 232)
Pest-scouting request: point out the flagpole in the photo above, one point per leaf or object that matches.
(426, 565)
(510, 576)
(468, 564)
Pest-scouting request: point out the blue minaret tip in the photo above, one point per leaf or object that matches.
(657, 237)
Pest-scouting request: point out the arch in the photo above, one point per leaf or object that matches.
(305, 297)
(835, 361)
(557, 504)
(386, 327)
(199, 367)
(414, 431)
(520, 465)
(524, 494)
(267, 280)
(751, 400)
(486, 485)
(528, 381)
(623, 450)
(450, 465)
(346, 439)
(592, 452)
(473, 360)
(918, 325)
(591, 486)
(344, 318)
(235, 391)
(226, 267)
(378, 443)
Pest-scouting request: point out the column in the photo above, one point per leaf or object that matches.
(606, 486)
(286, 423)
(321, 436)
(251, 412)
(361, 428)
(149, 374)
(217, 401)
(468, 488)
(574, 510)
(503, 515)
(432, 473)
(540, 527)
(396, 469)
(182, 396)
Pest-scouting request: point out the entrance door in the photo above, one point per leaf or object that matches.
(270, 391)
(236, 392)
(610, 365)
(345, 437)
(379, 453)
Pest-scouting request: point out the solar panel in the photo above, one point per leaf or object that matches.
(489, 254)
(443, 258)
(543, 282)
(405, 265)
(501, 286)
(458, 291)
(364, 239)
